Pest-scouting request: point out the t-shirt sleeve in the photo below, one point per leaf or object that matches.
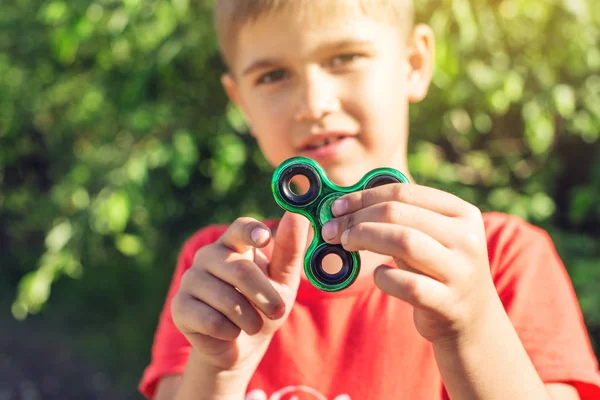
(170, 349)
(537, 293)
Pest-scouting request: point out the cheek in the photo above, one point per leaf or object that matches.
(270, 112)
(378, 105)
(271, 127)
(387, 88)
(378, 91)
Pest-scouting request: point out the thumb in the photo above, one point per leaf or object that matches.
(289, 249)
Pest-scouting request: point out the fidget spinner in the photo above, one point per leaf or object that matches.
(315, 204)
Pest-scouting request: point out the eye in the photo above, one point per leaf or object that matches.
(272, 76)
(343, 59)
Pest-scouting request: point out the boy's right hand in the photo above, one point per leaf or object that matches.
(230, 288)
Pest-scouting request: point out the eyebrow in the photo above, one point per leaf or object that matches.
(266, 63)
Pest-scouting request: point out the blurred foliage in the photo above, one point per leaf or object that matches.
(117, 142)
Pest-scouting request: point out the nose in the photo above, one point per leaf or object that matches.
(317, 96)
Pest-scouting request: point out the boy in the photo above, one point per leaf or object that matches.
(450, 303)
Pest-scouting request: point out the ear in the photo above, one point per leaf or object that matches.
(421, 58)
(232, 89)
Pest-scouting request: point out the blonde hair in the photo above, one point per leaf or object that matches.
(231, 15)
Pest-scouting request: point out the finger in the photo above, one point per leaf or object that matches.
(289, 249)
(225, 299)
(419, 290)
(251, 281)
(209, 345)
(261, 259)
(403, 266)
(244, 234)
(415, 248)
(192, 316)
(438, 226)
(421, 196)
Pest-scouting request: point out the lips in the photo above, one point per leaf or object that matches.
(316, 141)
(321, 143)
(328, 149)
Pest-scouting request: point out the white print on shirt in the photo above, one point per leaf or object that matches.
(291, 393)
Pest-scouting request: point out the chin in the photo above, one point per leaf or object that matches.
(344, 175)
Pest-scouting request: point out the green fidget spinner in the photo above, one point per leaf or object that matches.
(315, 204)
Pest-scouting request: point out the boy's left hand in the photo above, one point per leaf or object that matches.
(439, 244)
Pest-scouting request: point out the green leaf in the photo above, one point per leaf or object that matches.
(111, 212)
(59, 236)
(130, 245)
(564, 100)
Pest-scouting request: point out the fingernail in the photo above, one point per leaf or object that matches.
(344, 238)
(259, 235)
(339, 207)
(330, 230)
(278, 312)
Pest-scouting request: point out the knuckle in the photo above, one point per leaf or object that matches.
(214, 323)
(405, 239)
(190, 277)
(241, 271)
(181, 310)
(258, 326)
(230, 300)
(351, 233)
(254, 327)
(472, 240)
(357, 230)
(390, 211)
(413, 291)
(201, 254)
(177, 305)
(472, 212)
(349, 221)
(252, 321)
(360, 231)
(241, 222)
(365, 198)
(246, 224)
(398, 191)
(355, 235)
(470, 276)
(239, 229)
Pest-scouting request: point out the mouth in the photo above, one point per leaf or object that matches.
(322, 142)
(318, 141)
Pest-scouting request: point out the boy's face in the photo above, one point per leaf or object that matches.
(336, 91)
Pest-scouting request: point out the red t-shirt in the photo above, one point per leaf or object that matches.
(360, 343)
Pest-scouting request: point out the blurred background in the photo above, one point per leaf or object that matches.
(117, 143)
